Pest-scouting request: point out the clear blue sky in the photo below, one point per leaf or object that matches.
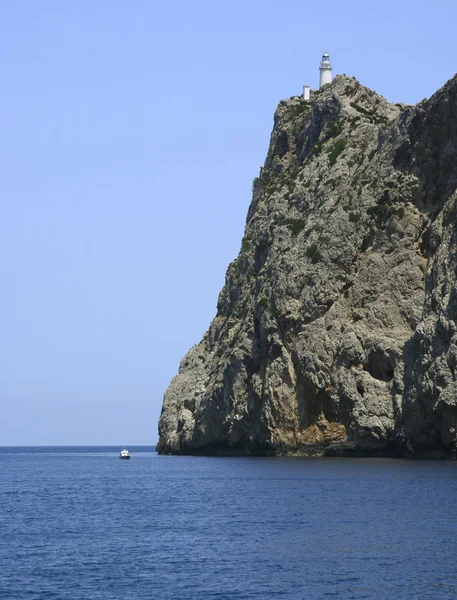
(131, 132)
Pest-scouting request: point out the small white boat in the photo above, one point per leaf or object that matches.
(124, 454)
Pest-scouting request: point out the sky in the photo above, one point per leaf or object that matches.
(131, 133)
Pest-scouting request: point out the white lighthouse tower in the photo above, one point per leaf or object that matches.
(325, 70)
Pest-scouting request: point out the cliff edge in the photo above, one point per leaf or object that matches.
(336, 327)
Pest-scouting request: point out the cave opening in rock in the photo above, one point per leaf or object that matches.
(380, 365)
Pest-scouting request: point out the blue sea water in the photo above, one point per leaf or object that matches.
(78, 523)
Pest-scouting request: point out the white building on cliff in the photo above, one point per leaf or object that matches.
(325, 70)
(325, 75)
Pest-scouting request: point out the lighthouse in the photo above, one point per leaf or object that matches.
(325, 70)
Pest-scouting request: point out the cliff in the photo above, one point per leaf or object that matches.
(336, 327)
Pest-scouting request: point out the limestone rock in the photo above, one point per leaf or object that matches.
(336, 327)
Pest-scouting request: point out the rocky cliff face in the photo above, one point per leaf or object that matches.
(336, 328)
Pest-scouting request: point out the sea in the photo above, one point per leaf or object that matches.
(78, 523)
